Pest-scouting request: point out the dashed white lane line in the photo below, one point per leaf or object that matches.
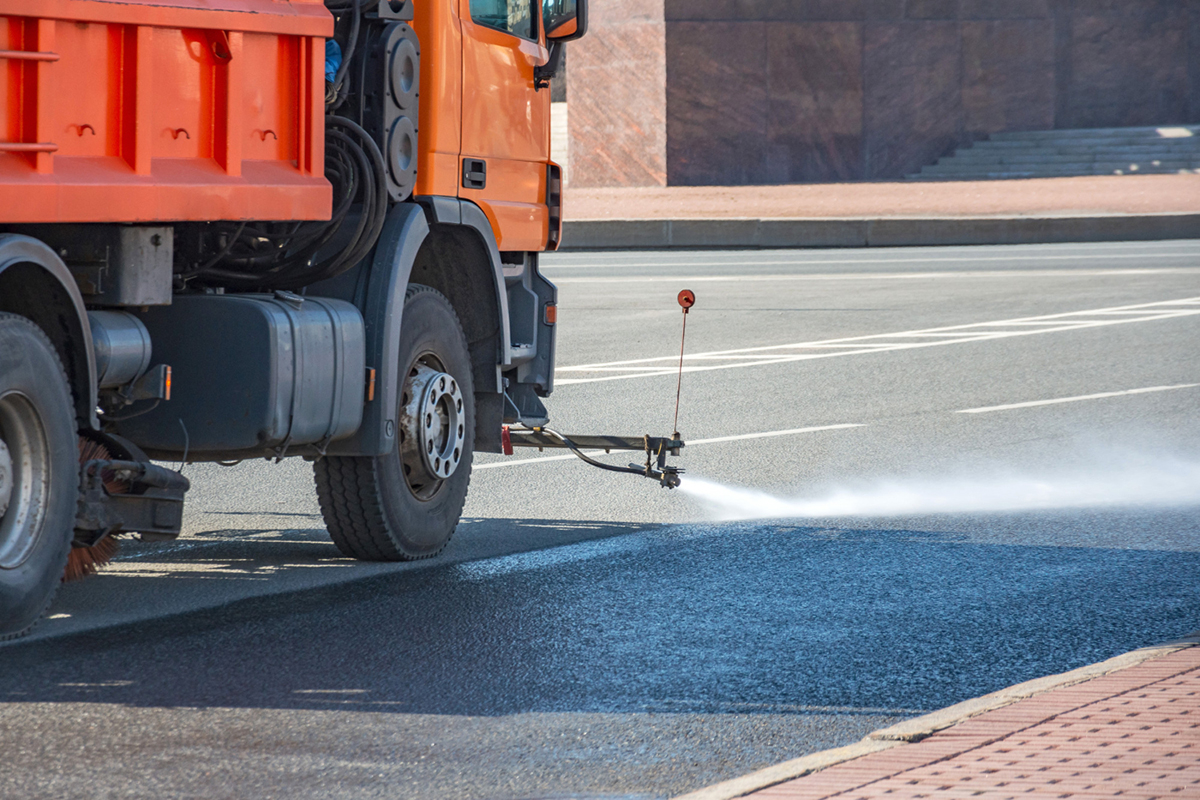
(1101, 395)
(880, 343)
(687, 444)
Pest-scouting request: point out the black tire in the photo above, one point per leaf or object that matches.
(374, 507)
(37, 425)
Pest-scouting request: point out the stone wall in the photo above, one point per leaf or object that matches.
(790, 91)
(618, 94)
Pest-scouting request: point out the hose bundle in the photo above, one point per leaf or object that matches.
(288, 255)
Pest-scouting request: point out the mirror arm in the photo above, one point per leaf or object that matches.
(542, 74)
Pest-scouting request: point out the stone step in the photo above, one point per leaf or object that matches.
(1081, 158)
(1056, 173)
(1105, 141)
(1102, 151)
(1185, 146)
(1095, 133)
(998, 176)
(984, 175)
(955, 165)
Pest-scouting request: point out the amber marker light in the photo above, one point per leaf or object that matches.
(167, 385)
(551, 313)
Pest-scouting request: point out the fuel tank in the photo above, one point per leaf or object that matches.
(253, 374)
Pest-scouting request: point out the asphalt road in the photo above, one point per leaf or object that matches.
(589, 635)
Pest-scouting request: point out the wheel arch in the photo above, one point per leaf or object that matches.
(36, 284)
(461, 260)
(446, 244)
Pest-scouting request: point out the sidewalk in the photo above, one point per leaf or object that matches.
(1128, 727)
(1098, 208)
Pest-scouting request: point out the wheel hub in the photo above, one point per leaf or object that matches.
(6, 477)
(26, 465)
(433, 428)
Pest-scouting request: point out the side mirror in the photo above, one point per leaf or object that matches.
(564, 20)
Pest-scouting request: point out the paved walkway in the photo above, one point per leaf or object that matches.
(1084, 196)
(1130, 734)
(1086, 209)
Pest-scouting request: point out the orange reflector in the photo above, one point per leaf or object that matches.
(551, 313)
(167, 385)
(370, 384)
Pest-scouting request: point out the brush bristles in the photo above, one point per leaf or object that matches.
(84, 561)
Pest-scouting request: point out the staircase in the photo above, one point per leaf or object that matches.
(1055, 154)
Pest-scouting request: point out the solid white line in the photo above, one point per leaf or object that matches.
(520, 461)
(880, 261)
(922, 335)
(872, 276)
(1033, 403)
(687, 444)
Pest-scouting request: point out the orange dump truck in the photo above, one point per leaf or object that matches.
(238, 229)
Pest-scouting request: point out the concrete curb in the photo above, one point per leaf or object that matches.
(614, 234)
(914, 730)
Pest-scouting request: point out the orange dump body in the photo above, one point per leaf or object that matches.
(162, 110)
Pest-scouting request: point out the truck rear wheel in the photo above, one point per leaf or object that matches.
(39, 478)
(405, 505)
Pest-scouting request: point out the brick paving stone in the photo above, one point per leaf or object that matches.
(1134, 735)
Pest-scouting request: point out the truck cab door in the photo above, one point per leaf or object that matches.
(505, 120)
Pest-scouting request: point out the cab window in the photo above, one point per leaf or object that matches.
(511, 16)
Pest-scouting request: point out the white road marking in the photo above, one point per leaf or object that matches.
(687, 444)
(1032, 403)
(873, 276)
(881, 342)
(733, 261)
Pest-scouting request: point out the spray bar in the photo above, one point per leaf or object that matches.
(656, 449)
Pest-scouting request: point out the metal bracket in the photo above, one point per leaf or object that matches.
(153, 506)
(656, 449)
(401, 10)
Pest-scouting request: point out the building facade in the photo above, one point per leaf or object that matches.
(729, 92)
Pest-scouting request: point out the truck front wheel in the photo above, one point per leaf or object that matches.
(39, 477)
(406, 504)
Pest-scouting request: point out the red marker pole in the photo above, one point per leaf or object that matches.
(687, 299)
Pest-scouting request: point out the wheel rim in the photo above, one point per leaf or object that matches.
(25, 498)
(5, 478)
(432, 427)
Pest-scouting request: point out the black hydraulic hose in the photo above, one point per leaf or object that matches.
(355, 167)
(377, 186)
(300, 240)
(369, 224)
(575, 449)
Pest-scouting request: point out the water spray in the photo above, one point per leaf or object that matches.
(656, 448)
(1112, 478)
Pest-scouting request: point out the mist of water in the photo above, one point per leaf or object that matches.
(1117, 480)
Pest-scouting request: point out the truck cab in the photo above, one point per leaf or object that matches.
(249, 229)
